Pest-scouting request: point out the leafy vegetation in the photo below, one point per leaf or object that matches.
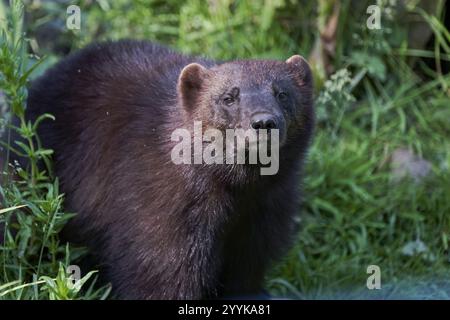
(378, 91)
(32, 259)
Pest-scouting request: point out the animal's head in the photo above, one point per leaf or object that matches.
(258, 94)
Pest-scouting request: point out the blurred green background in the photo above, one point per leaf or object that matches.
(377, 181)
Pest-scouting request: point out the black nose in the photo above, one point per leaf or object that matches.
(264, 121)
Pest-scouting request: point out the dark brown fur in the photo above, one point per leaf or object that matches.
(160, 230)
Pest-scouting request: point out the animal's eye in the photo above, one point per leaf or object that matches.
(282, 96)
(228, 100)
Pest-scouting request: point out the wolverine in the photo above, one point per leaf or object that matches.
(154, 228)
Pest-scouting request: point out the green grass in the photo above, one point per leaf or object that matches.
(382, 97)
(33, 262)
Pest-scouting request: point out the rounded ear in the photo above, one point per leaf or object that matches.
(296, 60)
(190, 83)
(301, 68)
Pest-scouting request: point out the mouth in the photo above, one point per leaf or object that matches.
(252, 147)
(271, 137)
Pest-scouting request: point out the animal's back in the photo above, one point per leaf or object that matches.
(105, 78)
